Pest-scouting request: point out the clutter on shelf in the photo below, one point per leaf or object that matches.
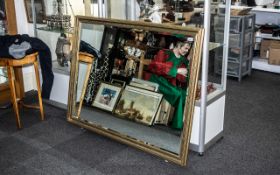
(58, 20)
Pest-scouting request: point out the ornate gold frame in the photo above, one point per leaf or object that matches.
(197, 33)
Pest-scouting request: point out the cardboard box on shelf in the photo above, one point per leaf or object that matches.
(274, 56)
(264, 48)
(275, 44)
(266, 45)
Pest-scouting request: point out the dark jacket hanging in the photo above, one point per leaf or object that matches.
(37, 45)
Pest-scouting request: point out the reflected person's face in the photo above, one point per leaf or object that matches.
(184, 49)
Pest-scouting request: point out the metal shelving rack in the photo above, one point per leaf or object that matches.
(241, 40)
(263, 16)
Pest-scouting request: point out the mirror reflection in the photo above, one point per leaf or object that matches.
(137, 84)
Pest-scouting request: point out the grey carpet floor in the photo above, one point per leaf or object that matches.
(251, 143)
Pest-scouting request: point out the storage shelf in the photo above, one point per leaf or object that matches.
(234, 74)
(45, 28)
(234, 60)
(265, 15)
(213, 45)
(238, 24)
(235, 39)
(267, 36)
(213, 96)
(266, 10)
(260, 9)
(262, 64)
(240, 44)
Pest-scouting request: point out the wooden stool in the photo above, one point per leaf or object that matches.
(10, 64)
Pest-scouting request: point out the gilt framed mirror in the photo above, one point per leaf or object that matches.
(135, 82)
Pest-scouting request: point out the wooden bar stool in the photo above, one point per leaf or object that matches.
(87, 59)
(10, 64)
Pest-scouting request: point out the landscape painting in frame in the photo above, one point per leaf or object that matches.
(138, 104)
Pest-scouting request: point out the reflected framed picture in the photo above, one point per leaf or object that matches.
(118, 82)
(144, 84)
(107, 96)
(39, 11)
(137, 104)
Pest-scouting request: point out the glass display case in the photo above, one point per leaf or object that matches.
(208, 127)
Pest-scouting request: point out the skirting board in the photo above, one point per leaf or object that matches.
(55, 104)
(60, 88)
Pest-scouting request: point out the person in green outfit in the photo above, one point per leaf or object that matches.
(169, 69)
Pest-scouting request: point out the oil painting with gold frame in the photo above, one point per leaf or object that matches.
(138, 104)
(174, 67)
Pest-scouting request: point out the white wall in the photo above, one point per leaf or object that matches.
(118, 9)
(21, 20)
(25, 28)
(92, 34)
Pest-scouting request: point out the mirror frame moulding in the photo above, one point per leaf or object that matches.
(197, 33)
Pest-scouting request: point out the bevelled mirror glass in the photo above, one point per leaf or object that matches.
(135, 82)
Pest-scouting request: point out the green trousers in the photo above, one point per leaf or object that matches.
(175, 96)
